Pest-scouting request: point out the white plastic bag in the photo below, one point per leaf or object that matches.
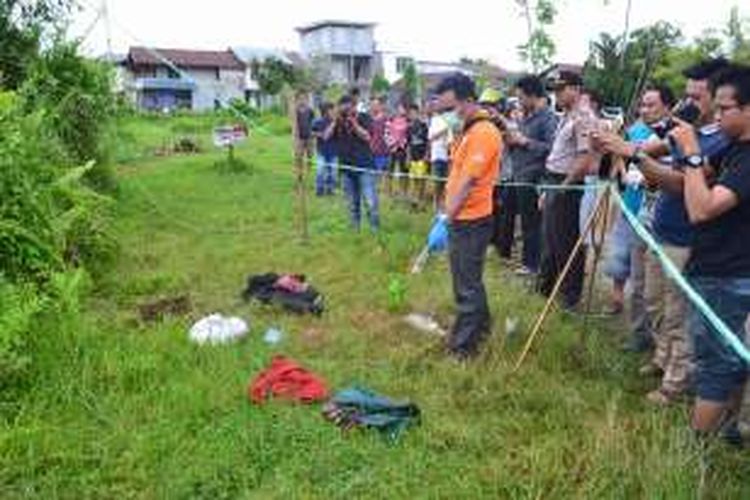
(217, 329)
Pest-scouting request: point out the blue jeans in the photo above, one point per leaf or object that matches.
(621, 241)
(720, 371)
(359, 186)
(325, 176)
(381, 163)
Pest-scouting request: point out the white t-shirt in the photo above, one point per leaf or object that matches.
(439, 126)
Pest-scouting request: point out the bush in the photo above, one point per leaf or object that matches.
(74, 95)
(243, 108)
(18, 306)
(50, 219)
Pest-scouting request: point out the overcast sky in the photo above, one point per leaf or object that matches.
(440, 30)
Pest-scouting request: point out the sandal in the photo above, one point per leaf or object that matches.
(662, 397)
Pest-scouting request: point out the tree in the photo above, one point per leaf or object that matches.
(411, 83)
(273, 74)
(602, 70)
(618, 71)
(737, 39)
(23, 26)
(540, 47)
(380, 84)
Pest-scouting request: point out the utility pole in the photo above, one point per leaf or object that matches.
(107, 28)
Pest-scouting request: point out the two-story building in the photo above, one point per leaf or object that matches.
(347, 50)
(167, 79)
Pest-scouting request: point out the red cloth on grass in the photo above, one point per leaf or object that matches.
(288, 380)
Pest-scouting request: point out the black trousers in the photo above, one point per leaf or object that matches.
(560, 231)
(512, 202)
(504, 220)
(468, 247)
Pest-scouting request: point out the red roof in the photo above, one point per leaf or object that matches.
(225, 59)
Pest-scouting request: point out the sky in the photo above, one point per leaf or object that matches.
(440, 30)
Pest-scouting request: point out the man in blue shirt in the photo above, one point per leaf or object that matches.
(325, 178)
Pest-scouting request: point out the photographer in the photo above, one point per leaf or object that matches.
(665, 304)
(351, 131)
(719, 266)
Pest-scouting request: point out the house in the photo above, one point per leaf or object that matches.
(345, 49)
(167, 79)
(250, 58)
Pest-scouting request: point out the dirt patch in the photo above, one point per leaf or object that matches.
(171, 306)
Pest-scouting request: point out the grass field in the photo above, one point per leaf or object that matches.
(116, 408)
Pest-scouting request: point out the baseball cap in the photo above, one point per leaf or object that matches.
(490, 96)
(564, 79)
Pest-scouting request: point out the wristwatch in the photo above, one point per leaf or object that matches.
(638, 157)
(694, 161)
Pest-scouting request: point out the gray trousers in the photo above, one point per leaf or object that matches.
(468, 247)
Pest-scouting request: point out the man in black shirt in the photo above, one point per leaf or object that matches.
(351, 132)
(304, 146)
(418, 167)
(719, 266)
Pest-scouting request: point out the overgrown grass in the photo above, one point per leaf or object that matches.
(121, 409)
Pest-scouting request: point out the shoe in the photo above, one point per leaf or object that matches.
(461, 358)
(662, 397)
(525, 272)
(573, 309)
(732, 436)
(637, 345)
(615, 309)
(650, 370)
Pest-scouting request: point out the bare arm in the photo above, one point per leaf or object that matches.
(581, 166)
(440, 134)
(666, 178)
(705, 203)
(328, 132)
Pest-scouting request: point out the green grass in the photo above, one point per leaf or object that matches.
(118, 409)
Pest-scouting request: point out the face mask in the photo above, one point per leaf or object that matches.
(451, 117)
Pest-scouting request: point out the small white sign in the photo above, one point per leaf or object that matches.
(229, 135)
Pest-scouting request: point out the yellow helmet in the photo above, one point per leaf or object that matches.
(490, 96)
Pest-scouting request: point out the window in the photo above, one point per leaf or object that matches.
(172, 74)
(402, 63)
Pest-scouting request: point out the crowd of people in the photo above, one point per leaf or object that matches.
(683, 171)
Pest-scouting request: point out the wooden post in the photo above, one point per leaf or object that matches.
(301, 160)
(551, 300)
(598, 247)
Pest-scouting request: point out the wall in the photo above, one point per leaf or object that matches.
(338, 40)
(231, 85)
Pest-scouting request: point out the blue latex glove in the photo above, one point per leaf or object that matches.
(437, 241)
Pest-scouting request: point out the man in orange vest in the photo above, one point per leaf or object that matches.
(468, 205)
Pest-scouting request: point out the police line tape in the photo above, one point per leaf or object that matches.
(669, 267)
(401, 175)
(676, 275)
(541, 187)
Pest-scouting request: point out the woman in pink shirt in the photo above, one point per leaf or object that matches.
(396, 137)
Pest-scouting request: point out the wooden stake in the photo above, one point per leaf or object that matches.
(560, 279)
(598, 247)
(301, 160)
